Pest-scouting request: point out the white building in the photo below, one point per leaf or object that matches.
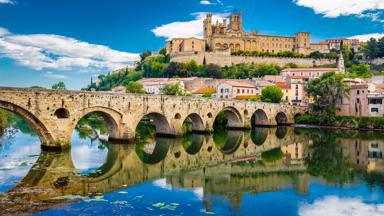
(237, 89)
(155, 85)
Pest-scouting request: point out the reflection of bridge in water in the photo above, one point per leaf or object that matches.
(188, 163)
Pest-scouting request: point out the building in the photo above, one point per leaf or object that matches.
(205, 91)
(237, 89)
(155, 85)
(119, 89)
(311, 73)
(322, 47)
(185, 45)
(356, 104)
(375, 104)
(294, 92)
(221, 36)
(337, 44)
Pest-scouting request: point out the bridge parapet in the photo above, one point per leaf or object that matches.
(54, 114)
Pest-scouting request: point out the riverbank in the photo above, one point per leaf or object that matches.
(342, 122)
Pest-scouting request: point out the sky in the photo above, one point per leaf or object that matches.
(43, 42)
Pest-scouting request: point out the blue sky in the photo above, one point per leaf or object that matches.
(44, 41)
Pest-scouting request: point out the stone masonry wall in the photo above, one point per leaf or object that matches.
(226, 59)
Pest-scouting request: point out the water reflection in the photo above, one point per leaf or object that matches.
(222, 173)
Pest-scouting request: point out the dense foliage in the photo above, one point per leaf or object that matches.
(175, 89)
(135, 87)
(327, 91)
(59, 86)
(374, 48)
(352, 122)
(271, 94)
(327, 160)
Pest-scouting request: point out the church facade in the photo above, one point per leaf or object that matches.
(224, 36)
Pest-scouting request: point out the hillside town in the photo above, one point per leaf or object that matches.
(309, 61)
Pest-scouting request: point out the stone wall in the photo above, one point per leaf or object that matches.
(226, 59)
(54, 114)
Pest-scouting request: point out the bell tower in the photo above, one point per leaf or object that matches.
(236, 23)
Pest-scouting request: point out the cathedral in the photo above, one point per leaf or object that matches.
(224, 36)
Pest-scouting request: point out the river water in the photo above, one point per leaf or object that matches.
(264, 171)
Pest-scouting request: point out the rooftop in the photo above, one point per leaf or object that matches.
(241, 83)
(283, 85)
(204, 91)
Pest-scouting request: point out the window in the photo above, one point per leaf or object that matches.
(374, 145)
(238, 91)
(358, 91)
(357, 100)
(375, 110)
(222, 90)
(243, 91)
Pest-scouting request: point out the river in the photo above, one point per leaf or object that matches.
(263, 171)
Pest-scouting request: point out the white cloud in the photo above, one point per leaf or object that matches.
(367, 37)
(333, 205)
(335, 8)
(47, 51)
(55, 76)
(192, 28)
(6, 2)
(205, 2)
(3, 31)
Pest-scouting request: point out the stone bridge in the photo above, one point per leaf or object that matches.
(55, 114)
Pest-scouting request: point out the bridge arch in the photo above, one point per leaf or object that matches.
(233, 116)
(44, 135)
(197, 122)
(110, 116)
(281, 118)
(260, 118)
(160, 122)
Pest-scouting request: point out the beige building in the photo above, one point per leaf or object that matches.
(185, 45)
(294, 92)
(356, 104)
(322, 47)
(221, 36)
(237, 89)
(154, 85)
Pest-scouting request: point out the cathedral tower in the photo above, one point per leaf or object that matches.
(236, 23)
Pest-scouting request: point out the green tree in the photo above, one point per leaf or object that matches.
(326, 159)
(135, 87)
(347, 54)
(360, 70)
(380, 45)
(144, 55)
(175, 89)
(37, 87)
(372, 50)
(271, 94)
(327, 91)
(59, 86)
